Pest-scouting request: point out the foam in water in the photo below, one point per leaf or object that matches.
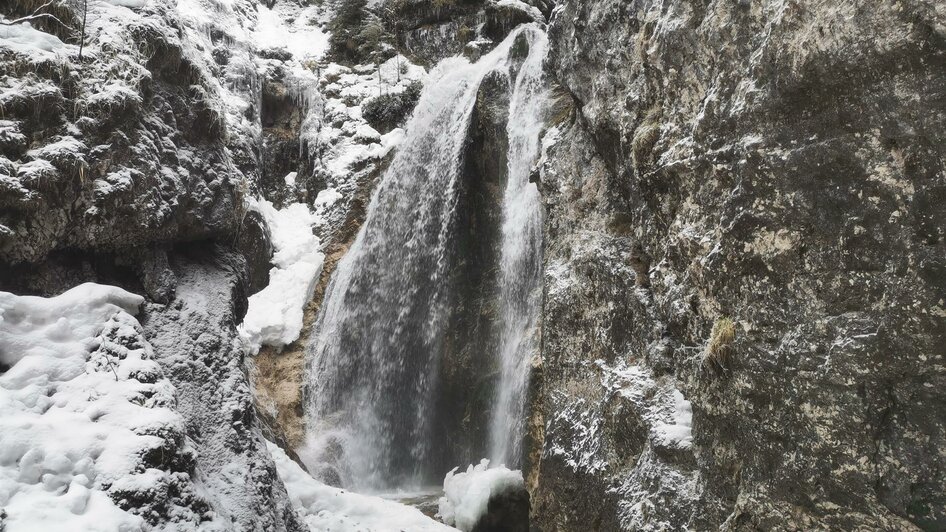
(375, 353)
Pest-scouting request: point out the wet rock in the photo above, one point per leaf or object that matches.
(506, 512)
(255, 244)
(281, 116)
(468, 373)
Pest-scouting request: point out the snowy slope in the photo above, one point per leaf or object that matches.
(89, 436)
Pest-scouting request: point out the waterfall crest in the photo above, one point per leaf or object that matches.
(374, 357)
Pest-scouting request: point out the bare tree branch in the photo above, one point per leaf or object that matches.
(85, 14)
(31, 18)
(35, 15)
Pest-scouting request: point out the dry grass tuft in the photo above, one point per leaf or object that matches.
(718, 354)
(646, 137)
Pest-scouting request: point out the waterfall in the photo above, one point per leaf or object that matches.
(520, 296)
(374, 356)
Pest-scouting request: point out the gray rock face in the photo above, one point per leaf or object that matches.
(95, 160)
(776, 167)
(430, 30)
(196, 342)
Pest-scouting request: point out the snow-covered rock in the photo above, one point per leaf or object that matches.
(196, 341)
(470, 496)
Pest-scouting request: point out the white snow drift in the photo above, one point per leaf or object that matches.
(81, 401)
(274, 315)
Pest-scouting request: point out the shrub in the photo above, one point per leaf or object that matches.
(345, 27)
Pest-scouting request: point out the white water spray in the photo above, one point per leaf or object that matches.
(521, 259)
(375, 353)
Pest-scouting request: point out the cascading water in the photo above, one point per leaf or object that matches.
(374, 357)
(520, 296)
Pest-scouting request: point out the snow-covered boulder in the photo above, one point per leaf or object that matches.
(485, 499)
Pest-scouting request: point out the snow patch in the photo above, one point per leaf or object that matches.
(678, 432)
(274, 316)
(661, 405)
(324, 508)
(467, 495)
(23, 38)
(302, 37)
(521, 6)
(128, 3)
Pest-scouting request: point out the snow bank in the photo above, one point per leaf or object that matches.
(82, 404)
(325, 508)
(25, 39)
(466, 495)
(274, 316)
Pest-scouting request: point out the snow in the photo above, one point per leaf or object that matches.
(669, 414)
(343, 150)
(574, 433)
(81, 401)
(302, 37)
(324, 508)
(327, 198)
(128, 3)
(274, 316)
(344, 137)
(23, 38)
(677, 433)
(522, 6)
(467, 495)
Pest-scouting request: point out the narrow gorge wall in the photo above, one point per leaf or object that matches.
(774, 170)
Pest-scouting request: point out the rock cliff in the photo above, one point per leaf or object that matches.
(744, 245)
